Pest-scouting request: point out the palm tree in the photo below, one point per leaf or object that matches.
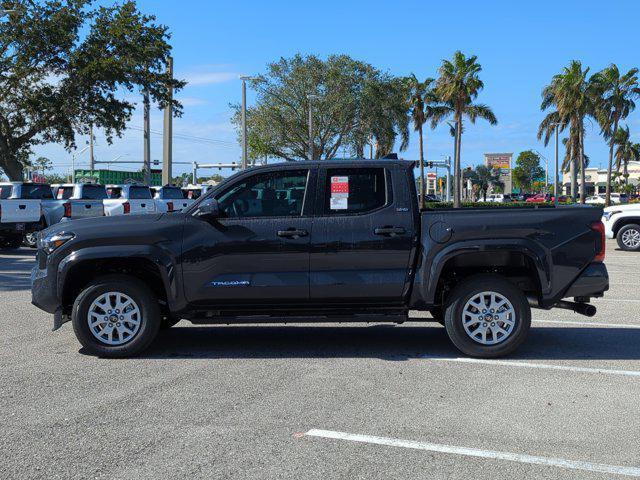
(626, 151)
(484, 177)
(456, 88)
(420, 97)
(572, 96)
(615, 101)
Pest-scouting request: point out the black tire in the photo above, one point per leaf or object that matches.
(139, 293)
(464, 292)
(628, 231)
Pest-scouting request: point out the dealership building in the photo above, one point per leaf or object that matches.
(596, 179)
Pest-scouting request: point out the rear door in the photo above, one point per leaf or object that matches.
(363, 237)
(141, 200)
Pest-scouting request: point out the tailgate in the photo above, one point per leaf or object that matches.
(139, 207)
(20, 211)
(86, 208)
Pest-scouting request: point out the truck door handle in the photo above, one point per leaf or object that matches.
(144, 205)
(87, 205)
(22, 207)
(292, 233)
(392, 231)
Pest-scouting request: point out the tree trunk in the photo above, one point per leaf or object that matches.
(573, 171)
(422, 185)
(12, 168)
(457, 171)
(583, 173)
(607, 198)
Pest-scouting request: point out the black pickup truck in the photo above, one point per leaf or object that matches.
(319, 241)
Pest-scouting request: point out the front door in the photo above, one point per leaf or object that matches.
(257, 251)
(362, 238)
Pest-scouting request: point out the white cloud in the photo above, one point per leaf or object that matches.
(192, 101)
(209, 78)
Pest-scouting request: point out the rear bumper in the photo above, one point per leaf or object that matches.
(592, 282)
(18, 228)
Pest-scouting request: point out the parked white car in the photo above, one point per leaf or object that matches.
(622, 222)
(20, 211)
(170, 199)
(498, 198)
(616, 199)
(128, 200)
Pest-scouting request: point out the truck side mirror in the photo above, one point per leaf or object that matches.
(209, 208)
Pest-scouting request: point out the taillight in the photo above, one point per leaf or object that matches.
(67, 210)
(170, 206)
(598, 227)
(127, 207)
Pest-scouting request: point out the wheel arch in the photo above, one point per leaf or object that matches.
(519, 260)
(146, 264)
(621, 222)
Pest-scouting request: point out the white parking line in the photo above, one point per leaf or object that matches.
(475, 452)
(608, 299)
(543, 366)
(589, 324)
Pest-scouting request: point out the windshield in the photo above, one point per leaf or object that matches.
(36, 192)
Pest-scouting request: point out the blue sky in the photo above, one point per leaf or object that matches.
(520, 45)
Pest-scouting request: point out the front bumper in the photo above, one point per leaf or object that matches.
(43, 286)
(592, 282)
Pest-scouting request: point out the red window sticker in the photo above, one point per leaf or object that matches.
(339, 185)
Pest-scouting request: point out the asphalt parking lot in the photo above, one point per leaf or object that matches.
(326, 401)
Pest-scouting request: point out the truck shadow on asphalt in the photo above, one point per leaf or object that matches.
(386, 342)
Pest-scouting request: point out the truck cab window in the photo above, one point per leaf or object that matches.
(354, 190)
(272, 194)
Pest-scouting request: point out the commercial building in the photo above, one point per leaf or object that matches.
(596, 179)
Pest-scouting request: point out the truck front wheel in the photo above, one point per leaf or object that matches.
(487, 316)
(629, 238)
(115, 316)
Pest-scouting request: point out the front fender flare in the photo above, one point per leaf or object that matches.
(161, 258)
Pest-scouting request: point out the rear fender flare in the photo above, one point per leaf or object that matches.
(530, 249)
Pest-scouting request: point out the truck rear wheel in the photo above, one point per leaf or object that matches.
(628, 238)
(116, 316)
(11, 242)
(487, 316)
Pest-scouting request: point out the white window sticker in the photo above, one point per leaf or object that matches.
(339, 193)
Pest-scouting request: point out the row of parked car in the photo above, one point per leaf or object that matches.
(26, 208)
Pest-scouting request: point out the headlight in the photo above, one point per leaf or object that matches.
(608, 215)
(52, 241)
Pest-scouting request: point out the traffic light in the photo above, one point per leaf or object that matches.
(430, 164)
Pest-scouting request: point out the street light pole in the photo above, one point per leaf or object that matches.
(555, 183)
(167, 136)
(73, 163)
(244, 121)
(146, 139)
(311, 97)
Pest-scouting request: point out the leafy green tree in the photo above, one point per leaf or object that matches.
(56, 178)
(420, 100)
(356, 105)
(625, 151)
(63, 64)
(42, 163)
(572, 96)
(484, 178)
(456, 88)
(527, 170)
(616, 93)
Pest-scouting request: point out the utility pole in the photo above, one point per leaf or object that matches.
(92, 163)
(311, 98)
(146, 140)
(244, 121)
(167, 134)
